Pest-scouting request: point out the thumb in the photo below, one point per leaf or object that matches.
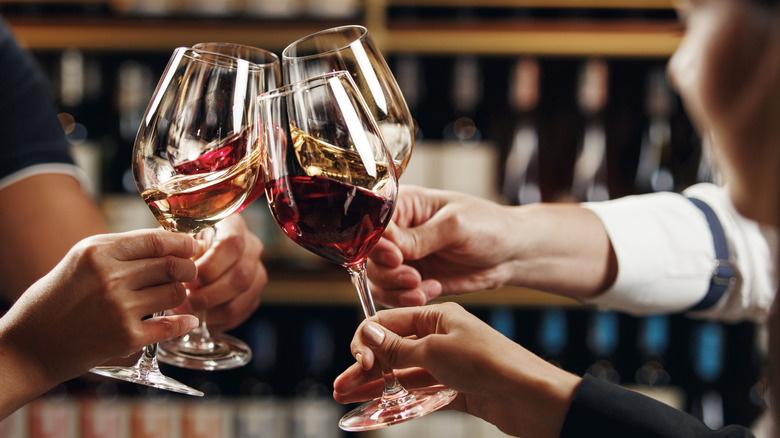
(170, 326)
(391, 350)
(418, 242)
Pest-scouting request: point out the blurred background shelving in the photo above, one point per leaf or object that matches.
(496, 88)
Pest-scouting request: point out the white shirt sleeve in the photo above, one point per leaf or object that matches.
(666, 256)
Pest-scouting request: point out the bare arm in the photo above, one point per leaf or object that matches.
(51, 212)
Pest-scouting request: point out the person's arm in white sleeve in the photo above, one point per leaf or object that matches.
(665, 256)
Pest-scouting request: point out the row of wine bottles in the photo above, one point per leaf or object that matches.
(561, 128)
(556, 128)
(708, 369)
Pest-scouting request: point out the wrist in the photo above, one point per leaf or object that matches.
(22, 375)
(543, 393)
(556, 238)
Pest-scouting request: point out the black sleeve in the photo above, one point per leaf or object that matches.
(29, 130)
(606, 410)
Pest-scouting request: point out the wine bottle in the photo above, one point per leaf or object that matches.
(602, 339)
(521, 173)
(590, 169)
(553, 336)
(466, 93)
(314, 413)
(708, 359)
(654, 172)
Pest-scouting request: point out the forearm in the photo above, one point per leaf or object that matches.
(20, 380)
(51, 214)
(562, 249)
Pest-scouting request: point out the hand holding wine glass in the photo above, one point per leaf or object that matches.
(351, 48)
(187, 164)
(331, 188)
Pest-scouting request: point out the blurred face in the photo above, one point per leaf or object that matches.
(727, 71)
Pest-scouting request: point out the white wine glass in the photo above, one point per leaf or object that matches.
(331, 185)
(351, 48)
(191, 161)
(201, 349)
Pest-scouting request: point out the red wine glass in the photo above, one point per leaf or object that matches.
(199, 106)
(331, 185)
(201, 349)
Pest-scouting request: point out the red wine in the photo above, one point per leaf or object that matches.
(225, 154)
(337, 221)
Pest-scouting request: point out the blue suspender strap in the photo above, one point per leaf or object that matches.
(723, 274)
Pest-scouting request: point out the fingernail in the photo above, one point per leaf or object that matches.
(191, 322)
(373, 334)
(359, 359)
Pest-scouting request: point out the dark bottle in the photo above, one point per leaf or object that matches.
(589, 182)
(521, 173)
(654, 171)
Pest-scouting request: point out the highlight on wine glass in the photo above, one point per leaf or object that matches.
(201, 349)
(331, 185)
(185, 173)
(351, 48)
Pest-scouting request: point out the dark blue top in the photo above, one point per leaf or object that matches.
(601, 409)
(29, 130)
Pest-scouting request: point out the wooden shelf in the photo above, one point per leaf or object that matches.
(565, 38)
(508, 38)
(610, 4)
(337, 290)
(137, 34)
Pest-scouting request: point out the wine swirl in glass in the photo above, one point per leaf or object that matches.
(331, 185)
(201, 349)
(351, 48)
(199, 106)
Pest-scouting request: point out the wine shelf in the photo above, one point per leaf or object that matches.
(338, 290)
(123, 32)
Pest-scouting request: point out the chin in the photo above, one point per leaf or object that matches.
(760, 206)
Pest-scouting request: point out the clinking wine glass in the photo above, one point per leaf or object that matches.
(331, 187)
(200, 349)
(198, 108)
(351, 48)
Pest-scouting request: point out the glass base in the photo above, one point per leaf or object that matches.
(148, 377)
(218, 352)
(386, 411)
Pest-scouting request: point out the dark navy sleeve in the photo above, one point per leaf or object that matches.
(29, 130)
(605, 410)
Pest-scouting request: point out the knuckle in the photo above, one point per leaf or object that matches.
(243, 276)
(392, 349)
(156, 243)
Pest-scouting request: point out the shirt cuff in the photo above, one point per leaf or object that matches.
(664, 253)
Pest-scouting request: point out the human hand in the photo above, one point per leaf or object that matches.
(496, 379)
(231, 277)
(91, 308)
(441, 243)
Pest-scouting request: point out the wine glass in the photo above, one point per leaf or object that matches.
(200, 349)
(351, 48)
(331, 187)
(191, 160)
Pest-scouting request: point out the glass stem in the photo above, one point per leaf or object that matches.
(147, 363)
(200, 337)
(393, 388)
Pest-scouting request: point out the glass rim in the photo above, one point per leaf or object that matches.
(273, 57)
(363, 33)
(303, 84)
(216, 58)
